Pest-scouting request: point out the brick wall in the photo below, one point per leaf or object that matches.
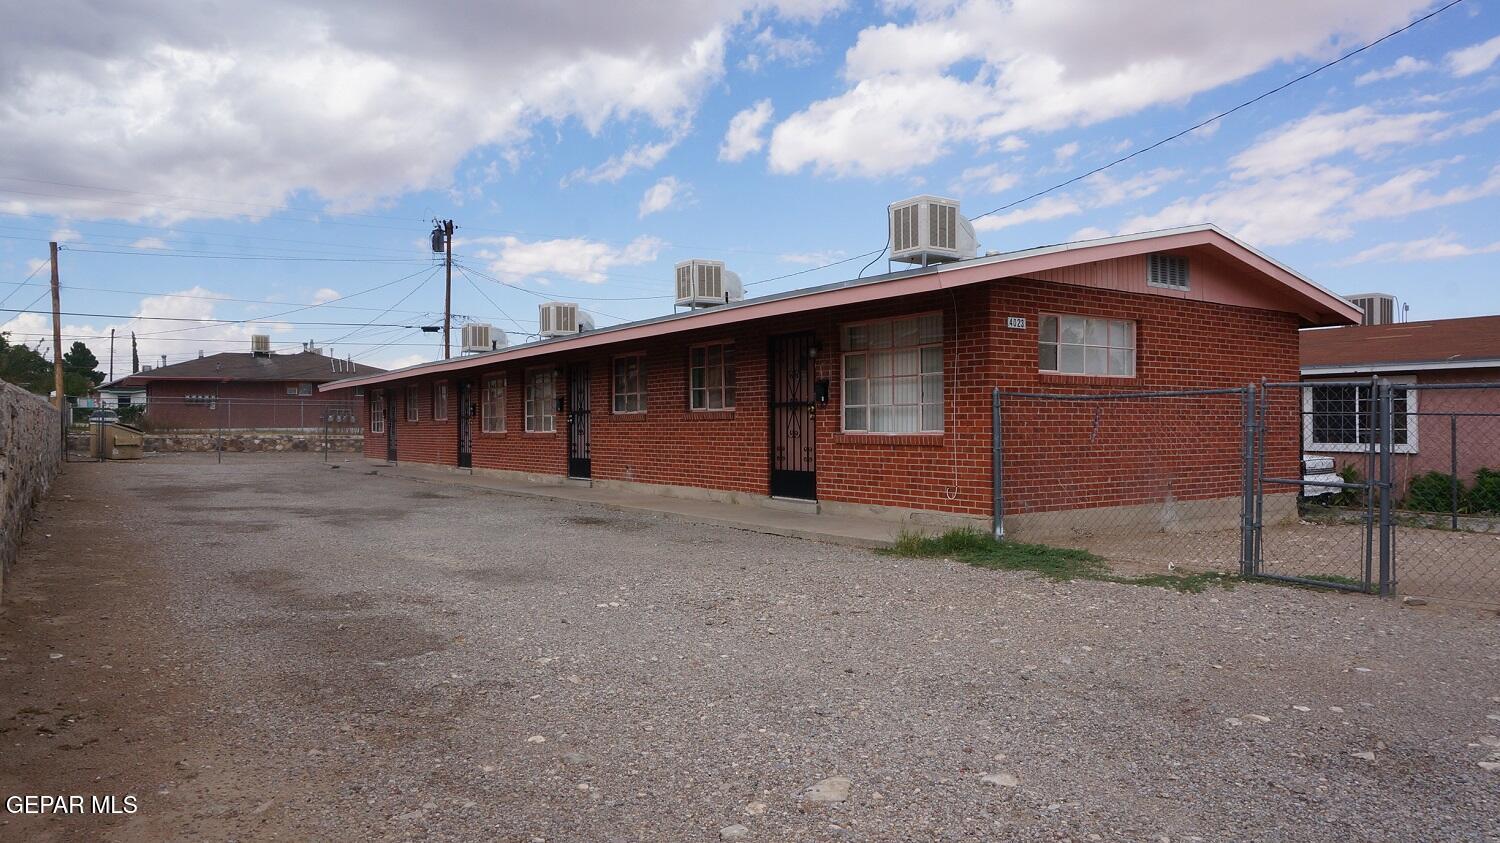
(1182, 344)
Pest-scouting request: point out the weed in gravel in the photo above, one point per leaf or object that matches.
(1055, 563)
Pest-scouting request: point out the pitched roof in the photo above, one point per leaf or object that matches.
(1314, 304)
(235, 366)
(1435, 344)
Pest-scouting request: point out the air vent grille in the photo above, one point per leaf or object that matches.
(904, 228)
(1169, 271)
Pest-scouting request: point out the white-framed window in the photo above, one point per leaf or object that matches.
(413, 403)
(893, 375)
(541, 402)
(630, 384)
(1170, 271)
(1087, 345)
(440, 401)
(1337, 418)
(492, 406)
(377, 411)
(291, 389)
(305, 388)
(711, 377)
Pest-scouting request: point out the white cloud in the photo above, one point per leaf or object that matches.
(975, 70)
(1098, 191)
(769, 48)
(1429, 248)
(616, 167)
(1269, 211)
(243, 106)
(324, 294)
(66, 235)
(1405, 194)
(988, 179)
(149, 243)
(573, 257)
(1360, 130)
(744, 135)
(663, 195)
(1404, 66)
(1474, 59)
(1063, 154)
(814, 258)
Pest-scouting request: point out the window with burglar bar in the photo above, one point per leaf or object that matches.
(440, 401)
(630, 384)
(1337, 417)
(1087, 345)
(413, 403)
(711, 377)
(377, 412)
(893, 375)
(541, 399)
(492, 406)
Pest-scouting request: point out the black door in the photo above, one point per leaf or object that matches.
(465, 420)
(390, 425)
(578, 421)
(793, 454)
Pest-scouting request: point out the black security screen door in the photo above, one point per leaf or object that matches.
(578, 421)
(390, 425)
(465, 425)
(793, 463)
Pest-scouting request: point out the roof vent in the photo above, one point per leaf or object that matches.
(561, 318)
(703, 283)
(479, 337)
(1379, 308)
(1170, 271)
(260, 345)
(929, 229)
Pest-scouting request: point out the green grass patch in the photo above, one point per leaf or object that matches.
(1333, 579)
(1060, 564)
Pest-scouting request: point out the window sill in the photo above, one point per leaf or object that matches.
(709, 415)
(1086, 380)
(491, 434)
(920, 440)
(634, 416)
(539, 434)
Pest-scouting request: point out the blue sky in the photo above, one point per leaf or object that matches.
(185, 159)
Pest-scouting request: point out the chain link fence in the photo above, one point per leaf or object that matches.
(1374, 485)
(217, 424)
(1150, 481)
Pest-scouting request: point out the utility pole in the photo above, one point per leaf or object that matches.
(448, 289)
(57, 361)
(111, 354)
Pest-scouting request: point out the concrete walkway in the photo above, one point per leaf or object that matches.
(837, 529)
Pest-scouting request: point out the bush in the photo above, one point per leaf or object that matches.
(1484, 495)
(1431, 492)
(1348, 497)
(131, 414)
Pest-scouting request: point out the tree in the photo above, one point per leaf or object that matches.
(24, 368)
(81, 362)
(135, 357)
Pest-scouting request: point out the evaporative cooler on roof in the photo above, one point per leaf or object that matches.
(705, 283)
(929, 229)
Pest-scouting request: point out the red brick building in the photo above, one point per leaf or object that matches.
(251, 390)
(870, 395)
(1452, 431)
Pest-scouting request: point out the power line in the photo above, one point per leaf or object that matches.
(160, 253)
(1221, 115)
(420, 282)
(813, 269)
(209, 322)
(486, 296)
(22, 282)
(206, 340)
(226, 298)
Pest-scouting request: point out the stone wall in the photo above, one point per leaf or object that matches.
(30, 453)
(249, 441)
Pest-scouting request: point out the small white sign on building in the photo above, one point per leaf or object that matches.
(1015, 322)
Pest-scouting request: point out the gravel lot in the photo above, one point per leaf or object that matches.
(274, 649)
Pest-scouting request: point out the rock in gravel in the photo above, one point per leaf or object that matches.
(1492, 766)
(536, 739)
(755, 809)
(1368, 756)
(734, 832)
(1001, 780)
(1414, 601)
(832, 789)
(1490, 740)
(1259, 718)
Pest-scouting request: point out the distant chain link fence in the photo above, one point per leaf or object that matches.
(210, 423)
(1375, 485)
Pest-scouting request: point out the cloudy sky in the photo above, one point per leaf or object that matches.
(282, 162)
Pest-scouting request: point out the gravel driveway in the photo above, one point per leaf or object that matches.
(274, 648)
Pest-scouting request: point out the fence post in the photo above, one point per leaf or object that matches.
(997, 465)
(1247, 485)
(1452, 464)
(1387, 441)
